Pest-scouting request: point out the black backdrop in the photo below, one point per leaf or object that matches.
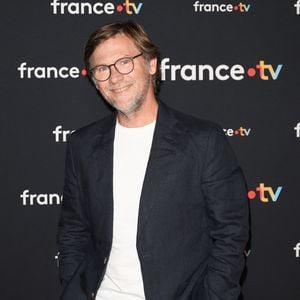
(250, 85)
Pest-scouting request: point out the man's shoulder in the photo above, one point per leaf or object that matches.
(93, 129)
(204, 134)
(194, 124)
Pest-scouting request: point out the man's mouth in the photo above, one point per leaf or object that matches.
(120, 89)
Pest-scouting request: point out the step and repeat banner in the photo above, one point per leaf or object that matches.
(235, 63)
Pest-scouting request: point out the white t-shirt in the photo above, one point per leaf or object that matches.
(123, 278)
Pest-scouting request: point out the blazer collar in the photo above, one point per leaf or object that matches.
(164, 137)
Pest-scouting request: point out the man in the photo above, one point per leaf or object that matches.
(155, 204)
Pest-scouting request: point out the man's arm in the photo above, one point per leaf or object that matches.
(73, 235)
(227, 206)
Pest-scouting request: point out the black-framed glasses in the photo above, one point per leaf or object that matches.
(123, 65)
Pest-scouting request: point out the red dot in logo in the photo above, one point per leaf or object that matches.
(236, 132)
(251, 195)
(119, 8)
(84, 72)
(236, 7)
(251, 72)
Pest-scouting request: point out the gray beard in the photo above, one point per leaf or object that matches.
(137, 103)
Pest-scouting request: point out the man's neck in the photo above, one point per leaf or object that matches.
(145, 115)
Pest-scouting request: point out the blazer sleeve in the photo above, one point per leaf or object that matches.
(228, 218)
(73, 236)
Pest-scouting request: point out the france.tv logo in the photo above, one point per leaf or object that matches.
(97, 8)
(223, 72)
(221, 8)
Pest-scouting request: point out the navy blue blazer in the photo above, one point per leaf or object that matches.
(193, 214)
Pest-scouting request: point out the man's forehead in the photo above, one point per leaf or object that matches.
(117, 41)
(114, 47)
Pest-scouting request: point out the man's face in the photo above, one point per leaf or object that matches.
(126, 93)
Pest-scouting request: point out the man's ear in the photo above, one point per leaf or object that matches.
(153, 66)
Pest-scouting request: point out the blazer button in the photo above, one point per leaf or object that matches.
(93, 295)
(105, 260)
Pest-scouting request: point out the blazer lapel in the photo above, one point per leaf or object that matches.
(163, 152)
(102, 170)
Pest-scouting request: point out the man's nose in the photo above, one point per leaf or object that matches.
(114, 74)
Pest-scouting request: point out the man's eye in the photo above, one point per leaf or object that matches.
(102, 69)
(124, 61)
